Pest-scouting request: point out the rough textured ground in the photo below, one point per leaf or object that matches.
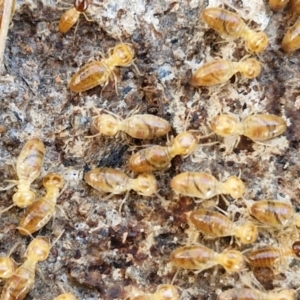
(102, 254)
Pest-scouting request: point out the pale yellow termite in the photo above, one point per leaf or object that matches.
(71, 16)
(205, 186)
(137, 126)
(22, 281)
(215, 224)
(274, 213)
(29, 166)
(116, 182)
(39, 213)
(198, 257)
(221, 70)
(99, 72)
(259, 127)
(228, 23)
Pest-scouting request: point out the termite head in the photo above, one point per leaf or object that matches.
(224, 125)
(296, 248)
(250, 68)
(53, 180)
(81, 5)
(247, 233)
(185, 143)
(106, 124)
(233, 186)
(232, 260)
(23, 198)
(38, 249)
(123, 54)
(145, 184)
(257, 42)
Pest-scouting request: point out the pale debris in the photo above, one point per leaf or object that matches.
(179, 109)
(76, 147)
(72, 176)
(132, 13)
(113, 218)
(297, 103)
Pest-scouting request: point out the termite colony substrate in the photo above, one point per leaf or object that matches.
(105, 254)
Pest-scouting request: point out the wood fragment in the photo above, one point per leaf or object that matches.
(6, 18)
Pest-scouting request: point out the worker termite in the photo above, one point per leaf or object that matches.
(159, 157)
(71, 16)
(291, 40)
(221, 70)
(272, 257)
(231, 24)
(260, 127)
(199, 257)
(117, 182)
(163, 292)
(29, 166)
(137, 126)
(22, 281)
(277, 4)
(99, 72)
(276, 214)
(205, 186)
(254, 294)
(215, 224)
(39, 213)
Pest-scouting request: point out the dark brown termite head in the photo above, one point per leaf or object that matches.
(296, 248)
(81, 5)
